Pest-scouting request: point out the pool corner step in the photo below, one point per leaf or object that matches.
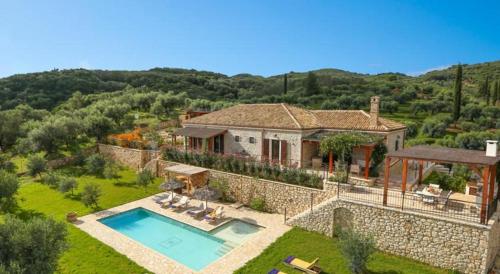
(225, 248)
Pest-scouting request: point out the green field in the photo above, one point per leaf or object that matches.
(86, 254)
(309, 245)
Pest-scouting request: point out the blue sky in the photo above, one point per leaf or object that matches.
(260, 37)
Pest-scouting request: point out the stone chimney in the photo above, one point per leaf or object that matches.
(491, 148)
(374, 109)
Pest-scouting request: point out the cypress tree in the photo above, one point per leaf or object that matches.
(458, 94)
(487, 90)
(285, 83)
(496, 92)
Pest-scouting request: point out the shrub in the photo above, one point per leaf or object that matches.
(95, 164)
(36, 165)
(223, 187)
(446, 182)
(258, 204)
(6, 164)
(51, 179)
(356, 249)
(9, 184)
(145, 178)
(68, 184)
(32, 246)
(91, 194)
(110, 170)
(434, 128)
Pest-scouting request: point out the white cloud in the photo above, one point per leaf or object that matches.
(418, 73)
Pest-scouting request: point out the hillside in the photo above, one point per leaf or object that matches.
(46, 90)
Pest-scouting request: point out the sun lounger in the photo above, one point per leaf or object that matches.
(199, 210)
(214, 215)
(167, 200)
(275, 271)
(183, 202)
(307, 267)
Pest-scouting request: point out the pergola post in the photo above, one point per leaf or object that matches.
(386, 178)
(420, 171)
(368, 156)
(493, 176)
(330, 162)
(405, 175)
(484, 198)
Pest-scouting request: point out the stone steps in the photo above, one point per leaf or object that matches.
(225, 248)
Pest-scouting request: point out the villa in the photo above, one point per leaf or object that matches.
(285, 134)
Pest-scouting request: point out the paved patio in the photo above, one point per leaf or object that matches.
(159, 263)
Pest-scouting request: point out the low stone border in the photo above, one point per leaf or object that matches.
(159, 263)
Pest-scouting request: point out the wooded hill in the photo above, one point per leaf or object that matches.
(325, 88)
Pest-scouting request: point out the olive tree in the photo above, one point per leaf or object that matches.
(9, 184)
(36, 165)
(32, 246)
(91, 194)
(145, 178)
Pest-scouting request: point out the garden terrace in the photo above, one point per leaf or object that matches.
(483, 164)
(244, 166)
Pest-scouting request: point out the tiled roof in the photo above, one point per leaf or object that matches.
(283, 116)
(354, 119)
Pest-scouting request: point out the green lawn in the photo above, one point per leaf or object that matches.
(86, 254)
(308, 246)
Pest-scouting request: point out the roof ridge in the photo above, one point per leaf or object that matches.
(365, 113)
(291, 115)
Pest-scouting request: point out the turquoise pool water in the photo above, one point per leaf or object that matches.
(185, 244)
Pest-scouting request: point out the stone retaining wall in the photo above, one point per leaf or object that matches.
(277, 196)
(133, 158)
(468, 248)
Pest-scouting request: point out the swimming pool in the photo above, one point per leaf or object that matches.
(185, 244)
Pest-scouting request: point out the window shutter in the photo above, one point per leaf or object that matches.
(283, 152)
(265, 150)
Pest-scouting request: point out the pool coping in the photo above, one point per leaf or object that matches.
(156, 262)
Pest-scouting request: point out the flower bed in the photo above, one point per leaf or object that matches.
(245, 166)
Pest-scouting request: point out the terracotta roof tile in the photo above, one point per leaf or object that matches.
(283, 116)
(353, 119)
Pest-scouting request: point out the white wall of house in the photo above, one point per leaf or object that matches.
(231, 146)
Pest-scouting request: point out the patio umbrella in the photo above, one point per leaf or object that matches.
(171, 185)
(207, 193)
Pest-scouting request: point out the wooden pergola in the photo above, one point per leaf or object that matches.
(476, 160)
(368, 150)
(196, 176)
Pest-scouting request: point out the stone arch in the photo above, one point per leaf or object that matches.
(342, 218)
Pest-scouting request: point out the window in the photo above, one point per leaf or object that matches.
(251, 140)
(237, 139)
(219, 144)
(396, 145)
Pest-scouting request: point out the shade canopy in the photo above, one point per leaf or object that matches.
(171, 185)
(207, 193)
(199, 132)
(445, 155)
(185, 169)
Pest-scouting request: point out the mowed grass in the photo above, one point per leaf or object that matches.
(85, 254)
(309, 245)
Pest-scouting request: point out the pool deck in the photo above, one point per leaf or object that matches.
(159, 263)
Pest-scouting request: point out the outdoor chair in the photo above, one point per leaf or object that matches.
(167, 200)
(183, 202)
(215, 215)
(275, 271)
(201, 209)
(355, 169)
(307, 267)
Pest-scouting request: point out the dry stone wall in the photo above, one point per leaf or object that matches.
(277, 196)
(133, 158)
(468, 248)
